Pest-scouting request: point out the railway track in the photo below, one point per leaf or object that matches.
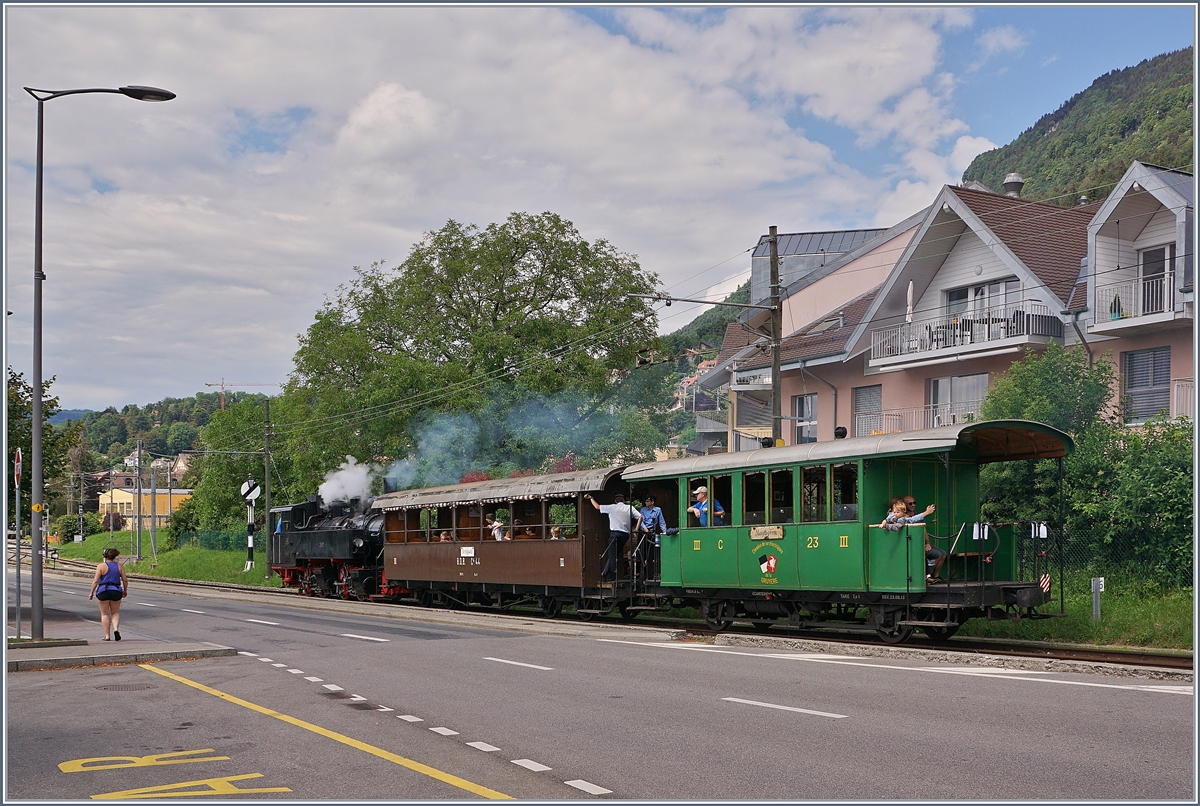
(1164, 659)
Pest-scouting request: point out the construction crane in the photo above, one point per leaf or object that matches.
(232, 384)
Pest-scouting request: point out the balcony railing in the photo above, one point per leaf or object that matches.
(914, 418)
(1183, 398)
(973, 327)
(1134, 298)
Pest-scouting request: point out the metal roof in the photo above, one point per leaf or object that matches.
(810, 243)
(521, 488)
(989, 441)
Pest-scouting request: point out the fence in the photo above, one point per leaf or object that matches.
(214, 539)
(1093, 553)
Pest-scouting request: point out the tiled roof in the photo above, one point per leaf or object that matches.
(1050, 240)
(736, 337)
(805, 343)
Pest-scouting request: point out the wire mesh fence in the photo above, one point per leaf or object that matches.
(215, 539)
(1166, 562)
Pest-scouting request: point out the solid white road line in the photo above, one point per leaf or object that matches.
(332, 687)
(197, 612)
(314, 680)
(530, 765)
(260, 621)
(365, 637)
(1014, 674)
(484, 746)
(410, 718)
(784, 708)
(526, 665)
(591, 789)
(247, 654)
(445, 731)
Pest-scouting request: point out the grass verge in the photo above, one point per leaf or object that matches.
(188, 562)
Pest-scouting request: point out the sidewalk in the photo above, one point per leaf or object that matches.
(58, 624)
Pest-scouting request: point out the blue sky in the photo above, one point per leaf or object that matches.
(193, 240)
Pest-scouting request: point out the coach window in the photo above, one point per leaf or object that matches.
(721, 492)
(754, 498)
(813, 492)
(782, 497)
(845, 492)
(693, 485)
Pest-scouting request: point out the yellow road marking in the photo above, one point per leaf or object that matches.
(221, 786)
(124, 762)
(416, 766)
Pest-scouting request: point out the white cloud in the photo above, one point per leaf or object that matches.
(307, 140)
(1001, 39)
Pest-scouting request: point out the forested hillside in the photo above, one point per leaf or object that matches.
(1141, 113)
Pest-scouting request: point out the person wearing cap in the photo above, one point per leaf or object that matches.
(620, 525)
(651, 529)
(701, 507)
(933, 554)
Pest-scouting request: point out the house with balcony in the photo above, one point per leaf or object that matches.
(1139, 287)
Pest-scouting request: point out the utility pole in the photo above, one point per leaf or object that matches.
(82, 531)
(776, 338)
(270, 535)
(153, 515)
(138, 510)
(110, 506)
(17, 477)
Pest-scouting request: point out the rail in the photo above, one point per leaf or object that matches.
(1133, 298)
(979, 326)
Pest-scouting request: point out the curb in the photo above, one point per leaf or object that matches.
(84, 661)
(941, 656)
(47, 644)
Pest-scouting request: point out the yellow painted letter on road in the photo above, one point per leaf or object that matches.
(220, 786)
(120, 762)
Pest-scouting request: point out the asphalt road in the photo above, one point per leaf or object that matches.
(331, 705)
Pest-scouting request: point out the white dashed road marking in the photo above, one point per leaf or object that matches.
(266, 660)
(247, 654)
(197, 612)
(279, 665)
(591, 789)
(384, 708)
(784, 708)
(357, 698)
(527, 665)
(410, 718)
(147, 604)
(332, 687)
(260, 621)
(295, 671)
(365, 637)
(314, 680)
(484, 746)
(530, 765)
(445, 731)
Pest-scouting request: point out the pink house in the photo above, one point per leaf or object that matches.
(911, 332)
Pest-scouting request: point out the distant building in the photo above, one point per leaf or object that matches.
(124, 501)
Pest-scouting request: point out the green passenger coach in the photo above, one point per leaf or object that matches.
(800, 537)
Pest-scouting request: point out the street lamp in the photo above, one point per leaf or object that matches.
(41, 96)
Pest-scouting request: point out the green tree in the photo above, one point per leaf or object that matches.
(20, 435)
(235, 437)
(511, 322)
(181, 437)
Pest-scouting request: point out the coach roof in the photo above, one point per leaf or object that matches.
(520, 488)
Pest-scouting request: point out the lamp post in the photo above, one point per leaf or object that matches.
(41, 96)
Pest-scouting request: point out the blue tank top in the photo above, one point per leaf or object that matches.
(111, 581)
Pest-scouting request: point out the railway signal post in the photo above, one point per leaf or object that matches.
(250, 491)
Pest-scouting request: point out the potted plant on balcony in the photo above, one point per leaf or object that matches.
(1114, 307)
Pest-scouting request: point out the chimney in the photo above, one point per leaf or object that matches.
(1013, 184)
(1083, 200)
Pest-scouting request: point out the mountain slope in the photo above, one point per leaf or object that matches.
(1139, 113)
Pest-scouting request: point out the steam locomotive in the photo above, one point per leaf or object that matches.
(799, 542)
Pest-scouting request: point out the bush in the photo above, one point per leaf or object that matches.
(114, 521)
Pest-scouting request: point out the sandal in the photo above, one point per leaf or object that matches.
(106, 638)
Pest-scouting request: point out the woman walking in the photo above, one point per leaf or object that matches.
(109, 587)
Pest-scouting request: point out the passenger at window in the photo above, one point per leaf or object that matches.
(494, 526)
(446, 537)
(556, 533)
(701, 508)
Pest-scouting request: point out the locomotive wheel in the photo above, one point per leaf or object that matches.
(719, 615)
(627, 613)
(551, 607)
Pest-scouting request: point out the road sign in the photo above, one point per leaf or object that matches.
(251, 490)
(17, 467)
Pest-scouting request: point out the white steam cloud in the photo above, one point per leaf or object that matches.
(351, 480)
